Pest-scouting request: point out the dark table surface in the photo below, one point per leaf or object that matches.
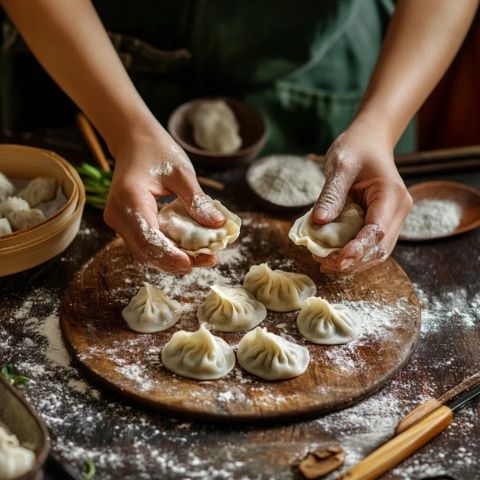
(128, 442)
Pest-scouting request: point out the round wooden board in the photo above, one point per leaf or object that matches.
(129, 362)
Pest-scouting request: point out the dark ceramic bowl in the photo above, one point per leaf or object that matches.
(253, 132)
(21, 420)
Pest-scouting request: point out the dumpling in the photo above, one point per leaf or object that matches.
(199, 355)
(151, 310)
(229, 309)
(278, 290)
(6, 187)
(5, 228)
(193, 238)
(41, 189)
(13, 204)
(328, 324)
(215, 127)
(322, 240)
(20, 219)
(15, 460)
(270, 356)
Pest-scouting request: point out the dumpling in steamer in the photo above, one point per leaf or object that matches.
(40, 189)
(328, 324)
(199, 355)
(228, 309)
(193, 238)
(15, 460)
(5, 228)
(6, 187)
(278, 290)
(13, 204)
(270, 356)
(215, 127)
(322, 240)
(151, 310)
(20, 219)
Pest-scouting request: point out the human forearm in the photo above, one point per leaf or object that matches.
(421, 41)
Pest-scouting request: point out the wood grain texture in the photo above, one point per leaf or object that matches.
(337, 376)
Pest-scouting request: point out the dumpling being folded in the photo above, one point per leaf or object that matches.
(278, 290)
(40, 189)
(270, 356)
(229, 309)
(193, 238)
(6, 187)
(151, 310)
(322, 240)
(199, 355)
(20, 219)
(328, 324)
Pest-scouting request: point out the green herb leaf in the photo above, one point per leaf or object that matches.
(89, 469)
(11, 374)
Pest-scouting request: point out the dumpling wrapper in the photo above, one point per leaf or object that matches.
(328, 324)
(270, 356)
(198, 355)
(193, 238)
(322, 240)
(230, 309)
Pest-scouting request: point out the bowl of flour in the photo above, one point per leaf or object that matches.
(285, 182)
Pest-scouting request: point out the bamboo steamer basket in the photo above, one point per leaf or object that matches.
(30, 247)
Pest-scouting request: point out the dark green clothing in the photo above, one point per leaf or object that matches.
(303, 64)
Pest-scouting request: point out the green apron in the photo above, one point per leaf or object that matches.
(303, 64)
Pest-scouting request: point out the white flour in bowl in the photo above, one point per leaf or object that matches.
(431, 218)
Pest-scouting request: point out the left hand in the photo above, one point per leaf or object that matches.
(360, 163)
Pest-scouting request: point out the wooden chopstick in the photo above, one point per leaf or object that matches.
(440, 167)
(438, 156)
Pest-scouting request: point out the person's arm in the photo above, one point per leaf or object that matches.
(421, 41)
(68, 39)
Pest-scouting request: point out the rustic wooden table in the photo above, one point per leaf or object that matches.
(128, 442)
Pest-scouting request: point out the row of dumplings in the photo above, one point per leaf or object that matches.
(18, 211)
(201, 355)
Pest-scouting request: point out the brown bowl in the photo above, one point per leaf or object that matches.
(253, 132)
(21, 420)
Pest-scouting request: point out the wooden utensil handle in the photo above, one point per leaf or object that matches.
(436, 156)
(400, 447)
(417, 414)
(92, 141)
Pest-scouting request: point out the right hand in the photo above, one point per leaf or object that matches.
(148, 165)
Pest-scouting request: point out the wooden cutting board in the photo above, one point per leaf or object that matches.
(129, 363)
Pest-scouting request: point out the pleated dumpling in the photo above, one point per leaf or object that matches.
(270, 356)
(20, 219)
(12, 204)
(151, 310)
(15, 460)
(40, 189)
(230, 309)
(322, 240)
(278, 290)
(5, 228)
(199, 355)
(328, 324)
(6, 187)
(193, 238)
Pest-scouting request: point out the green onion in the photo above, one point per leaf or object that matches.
(11, 374)
(90, 469)
(97, 184)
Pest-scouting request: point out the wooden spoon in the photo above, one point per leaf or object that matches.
(468, 198)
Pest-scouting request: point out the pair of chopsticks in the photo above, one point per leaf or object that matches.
(91, 138)
(415, 430)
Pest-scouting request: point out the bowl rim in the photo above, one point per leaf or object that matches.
(208, 153)
(69, 171)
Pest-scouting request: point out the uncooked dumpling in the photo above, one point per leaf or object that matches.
(322, 240)
(13, 204)
(20, 219)
(193, 238)
(151, 310)
(278, 290)
(6, 187)
(15, 460)
(328, 324)
(270, 356)
(5, 228)
(230, 309)
(215, 127)
(199, 355)
(40, 189)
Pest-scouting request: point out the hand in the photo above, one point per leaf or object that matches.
(148, 165)
(360, 163)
